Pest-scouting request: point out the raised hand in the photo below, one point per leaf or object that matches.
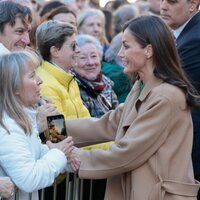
(43, 111)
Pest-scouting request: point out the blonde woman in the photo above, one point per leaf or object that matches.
(30, 164)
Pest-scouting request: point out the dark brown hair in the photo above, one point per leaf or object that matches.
(152, 30)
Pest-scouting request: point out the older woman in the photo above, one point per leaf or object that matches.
(57, 46)
(91, 21)
(153, 130)
(30, 164)
(96, 89)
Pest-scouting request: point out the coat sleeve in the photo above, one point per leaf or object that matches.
(87, 131)
(142, 138)
(21, 164)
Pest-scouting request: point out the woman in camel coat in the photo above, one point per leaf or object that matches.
(152, 130)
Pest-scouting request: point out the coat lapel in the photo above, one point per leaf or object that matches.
(136, 98)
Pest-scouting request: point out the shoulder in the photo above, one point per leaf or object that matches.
(171, 93)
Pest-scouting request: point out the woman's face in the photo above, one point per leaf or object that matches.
(67, 54)
(132, 54)
(88, 62)
(92, 25)
(29, 93)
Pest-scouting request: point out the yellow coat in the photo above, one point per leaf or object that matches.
(63, 90)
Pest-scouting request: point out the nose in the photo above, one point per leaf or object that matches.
(163, 5)
(38, 80)
(25, 38)
(90, 61)
(77, 49)
(121, 52)
(96, 28)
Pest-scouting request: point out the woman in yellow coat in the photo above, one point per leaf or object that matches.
(57, 46)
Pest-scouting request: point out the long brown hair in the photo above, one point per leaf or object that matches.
(152, 30)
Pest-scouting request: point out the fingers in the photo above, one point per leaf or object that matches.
(75, 163)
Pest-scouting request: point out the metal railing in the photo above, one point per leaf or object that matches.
(73, 189)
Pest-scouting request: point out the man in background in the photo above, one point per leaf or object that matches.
(183, 17)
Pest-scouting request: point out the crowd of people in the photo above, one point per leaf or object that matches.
(126, 79)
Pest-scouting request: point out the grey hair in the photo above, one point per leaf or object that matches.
(123, 14)
(52, 33)
(88, 13)
(83, 39)
(111, 54)
(12, 67)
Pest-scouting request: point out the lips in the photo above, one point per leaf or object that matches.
(164, 16)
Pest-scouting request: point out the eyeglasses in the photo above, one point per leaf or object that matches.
(73, 46)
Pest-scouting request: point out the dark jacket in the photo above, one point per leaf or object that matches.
(188, 44)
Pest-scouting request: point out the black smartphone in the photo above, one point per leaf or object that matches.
(56, 128)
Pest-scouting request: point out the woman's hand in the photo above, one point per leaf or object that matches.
(6, 187)
(66, 146)
(42, 112)
(74, 159)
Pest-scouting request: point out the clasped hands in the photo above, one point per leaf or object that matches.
(71, 152)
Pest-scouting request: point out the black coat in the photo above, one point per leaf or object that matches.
(188, 44)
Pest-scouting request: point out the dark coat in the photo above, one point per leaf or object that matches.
(188, 44)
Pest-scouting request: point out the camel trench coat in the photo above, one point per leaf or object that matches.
(151, 156)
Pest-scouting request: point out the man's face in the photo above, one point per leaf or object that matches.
(16, 37)
(176, 12)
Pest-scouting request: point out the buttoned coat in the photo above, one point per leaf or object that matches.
(151, 156)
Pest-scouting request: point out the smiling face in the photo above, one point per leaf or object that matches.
(88, 62)
(16, 37)
(66, 56)
(29, 93)
(184, 8)
(92, 25)
(132, 54)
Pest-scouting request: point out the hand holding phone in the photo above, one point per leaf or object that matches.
(56, 128)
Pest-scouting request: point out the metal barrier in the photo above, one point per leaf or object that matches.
(74, 190)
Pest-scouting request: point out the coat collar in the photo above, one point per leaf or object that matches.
(61, 76)
(151, 83)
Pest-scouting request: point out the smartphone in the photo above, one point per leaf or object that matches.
(56, 128)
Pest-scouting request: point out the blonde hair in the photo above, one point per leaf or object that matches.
(12, 67)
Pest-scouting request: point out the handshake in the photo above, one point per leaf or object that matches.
(71, 152)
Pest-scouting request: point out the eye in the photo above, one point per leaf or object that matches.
(82, 58)
(20, 31)
(32, 75)
(94, 56)
(172, 1)
(125, 46)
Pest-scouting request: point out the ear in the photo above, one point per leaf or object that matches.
(149, 51)
(54, 52)
(194, 4)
